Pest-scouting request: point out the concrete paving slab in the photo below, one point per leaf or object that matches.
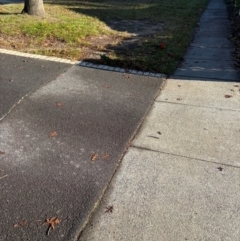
(61, 147)
(197, 132)
(157, 196)
(218, 33)
(218, 70)
(211, 42)
(202, 93)
(20, 76)
(220, 23)
(209, 53)
(218, 26)
(215, 12)
(179, 180)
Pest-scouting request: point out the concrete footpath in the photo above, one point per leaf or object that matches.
(180, 178)
(65, 130)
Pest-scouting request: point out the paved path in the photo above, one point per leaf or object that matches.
(210, 54)
(180, 178)
(63, 131)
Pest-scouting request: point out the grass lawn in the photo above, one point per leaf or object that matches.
(84, 30)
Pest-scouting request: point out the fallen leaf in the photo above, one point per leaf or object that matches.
(220, 169)
(53, 133)
(58, 104)
(107, 86)
(228, 96)
(109, 209)
(51, 222)
(105, 156)
(159, 133)
(179, 85)
(23, 223)
(236, 85)
(94, 157)
(2, 152)
(179, 99)
(162, 46)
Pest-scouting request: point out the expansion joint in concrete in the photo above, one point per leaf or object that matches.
(201, 106)
(189, 157)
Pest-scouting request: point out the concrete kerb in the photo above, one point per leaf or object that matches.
(82, 63)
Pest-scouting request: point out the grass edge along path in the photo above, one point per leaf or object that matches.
(69, 28)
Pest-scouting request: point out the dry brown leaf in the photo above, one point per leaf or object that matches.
(105, 156)
(109, 209)
(94, 157)
(51, 222)
(53, 133)
(179, 99)
(23, 223)
(2, 152)
(228, 96)
(58, 104)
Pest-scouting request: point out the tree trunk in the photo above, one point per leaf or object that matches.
(34, 7)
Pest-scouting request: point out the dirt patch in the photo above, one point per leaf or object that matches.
(138, 28)
(134, 32)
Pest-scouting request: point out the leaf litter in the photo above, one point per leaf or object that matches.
(109, 209)
(51, 223)
(228, 96)
(96, 156)
(20, 224)
(53, 134)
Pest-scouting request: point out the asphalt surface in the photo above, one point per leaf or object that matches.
(179, 180)
(63, 132)
(20, 76)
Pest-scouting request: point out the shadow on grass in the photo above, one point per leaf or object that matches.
(6, 14)
(10, 1)
(142, 20)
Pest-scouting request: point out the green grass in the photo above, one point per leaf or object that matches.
(70, 26)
